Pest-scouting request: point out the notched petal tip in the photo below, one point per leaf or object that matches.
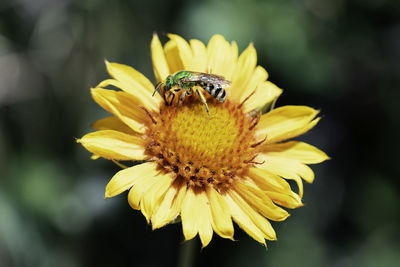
(230, 237)
(107, 193)
(205, 243)
(189, 237)
(172, 35)
(282, 218)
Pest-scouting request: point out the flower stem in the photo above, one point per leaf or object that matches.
(186, 253)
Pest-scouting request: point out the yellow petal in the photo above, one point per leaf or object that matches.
(259, 221)
(258, 200)
(221, 56)
(222, 222)
(268, 181)
(233, 59)
(160, 65)
(112, 123)
(285, 122)
(303, 129)
(300, 151)
(196, 216)
(287, 168)
(170, 205)
(152, 197)
(189, 215)
(184, 50)
(243, 220)
(258, 76)
(290, 201)
(204, 218)
(173, 57)
(199, 60)
(243, 71)
(133, 82)
(265, 93)
(128, 75)
(142, 185)
(142, 99)
(123, 106)
(275, 187)
(111, 144)
(126, 178)
(234, 54)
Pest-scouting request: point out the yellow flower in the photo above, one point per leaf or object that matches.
(208, 171)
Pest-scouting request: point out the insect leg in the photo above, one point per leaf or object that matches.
(182, 97)
(172, 98)
(203, 100)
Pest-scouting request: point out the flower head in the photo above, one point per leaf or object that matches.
(207, 170)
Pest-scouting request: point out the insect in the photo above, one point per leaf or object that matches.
(189, 80)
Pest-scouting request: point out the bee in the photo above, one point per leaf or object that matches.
(189, 80)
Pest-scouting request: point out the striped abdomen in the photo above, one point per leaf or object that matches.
(215, 90)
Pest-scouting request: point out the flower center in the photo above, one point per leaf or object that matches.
(203, 150)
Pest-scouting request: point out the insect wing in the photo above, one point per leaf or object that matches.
(207, 78)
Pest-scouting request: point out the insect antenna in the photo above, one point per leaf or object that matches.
(158, 86)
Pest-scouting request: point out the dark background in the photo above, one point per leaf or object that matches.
(340, 56)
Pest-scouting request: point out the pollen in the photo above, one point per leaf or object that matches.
(203, 150)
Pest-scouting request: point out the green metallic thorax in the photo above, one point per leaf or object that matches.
(176, 80)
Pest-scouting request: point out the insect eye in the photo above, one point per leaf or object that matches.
(169, 82)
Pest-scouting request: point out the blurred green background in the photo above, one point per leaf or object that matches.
(340, 56)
